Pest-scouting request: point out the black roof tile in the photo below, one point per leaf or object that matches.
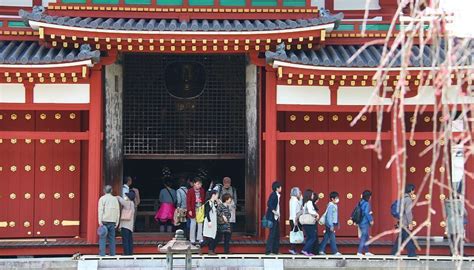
(339, 55)
(31, 52)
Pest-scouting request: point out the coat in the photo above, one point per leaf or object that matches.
(210, 217)
(272, 205)
(191, 202)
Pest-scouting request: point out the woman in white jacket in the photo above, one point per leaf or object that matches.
(295, 207)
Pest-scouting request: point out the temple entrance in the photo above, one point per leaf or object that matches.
(186, 113)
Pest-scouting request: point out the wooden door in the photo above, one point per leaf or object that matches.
(57, 181)
(17, 175)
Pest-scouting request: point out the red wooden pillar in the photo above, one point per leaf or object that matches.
(270, 133)
(396, 166)
(95, 161)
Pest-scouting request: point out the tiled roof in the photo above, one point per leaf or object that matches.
(30, 52)
(338, 56)
(176, 25)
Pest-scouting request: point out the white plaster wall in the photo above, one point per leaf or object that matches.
(16, 3)
(425, 96)
(318, 3)
(359, 96)
(12, 93)
(453, 95)
(303, 95)
(356, 4)
(61, 93)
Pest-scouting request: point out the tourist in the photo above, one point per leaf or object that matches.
(127, 183)
(295, 208)
(209, 230)
(330, 222)
(109, 216)
(365, 223)
(227, 188)
(309, 227)
(137, 201)
(165, 214)
(224, 215)
(406, 222)
(273, 214)
(456, 220)
(194, 200)
(127, 221)
(181, 194)
(316, 207)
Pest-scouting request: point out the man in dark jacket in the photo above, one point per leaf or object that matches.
(273, 214)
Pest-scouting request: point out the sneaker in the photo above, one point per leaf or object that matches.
(292, 251)
(211, 252)
(322, 253)
(360, 254)
(337, 254)
(369, 254)
(307, 253)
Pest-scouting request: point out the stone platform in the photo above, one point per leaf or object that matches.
(241, 262)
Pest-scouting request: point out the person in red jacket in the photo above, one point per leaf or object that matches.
(194, 199)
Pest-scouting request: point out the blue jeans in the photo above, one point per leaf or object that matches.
(331, 237)
(110, 236)
(410, 245)
(310, 232)
(364, 237)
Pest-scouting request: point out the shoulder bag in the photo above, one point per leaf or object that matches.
(306, 218)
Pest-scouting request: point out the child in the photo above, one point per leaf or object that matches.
(331, 222)
(194, 200)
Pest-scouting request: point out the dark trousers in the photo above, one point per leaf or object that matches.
(410, 245)
(310, 231)
(316, 242)
(127, 241)
(210, 242)
(330, 237)
(273, 241)
(226, 236)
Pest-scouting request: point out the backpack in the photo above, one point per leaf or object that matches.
(357, 214)
(395, 209)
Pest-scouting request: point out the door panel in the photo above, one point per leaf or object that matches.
(17, 174)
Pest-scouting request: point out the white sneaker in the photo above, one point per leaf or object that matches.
(359, 254)
(322, 253)
(338, 254)
(369, 254)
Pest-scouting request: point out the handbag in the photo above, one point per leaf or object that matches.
(266, 224)
(127, 214)
(200, 214)
(322, 219)
(306, 218)
(296, 237)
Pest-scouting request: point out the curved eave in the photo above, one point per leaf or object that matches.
(37, 25)
(278, 63)
(87, 63)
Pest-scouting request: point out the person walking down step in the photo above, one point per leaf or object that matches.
(194, 201)
(366, 220)
(273, 215)
(405, 222)
(330, 218)
(309, 219)
(209, 230)
(296, 207)
(224, 228)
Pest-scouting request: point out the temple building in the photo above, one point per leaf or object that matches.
(257, 90)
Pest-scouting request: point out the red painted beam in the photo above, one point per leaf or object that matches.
(44, 107)
(286, 136)
(38, 135)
